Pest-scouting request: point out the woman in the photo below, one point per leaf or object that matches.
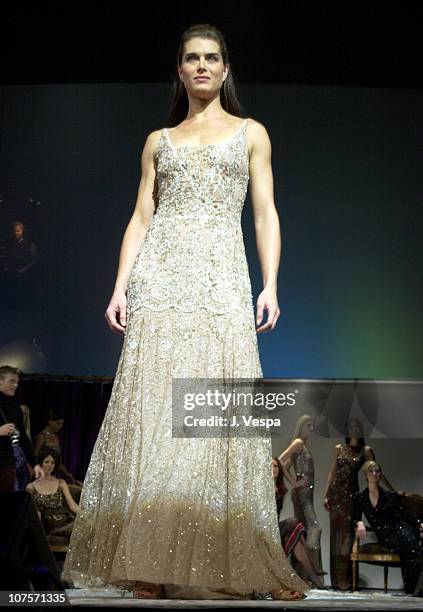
(342, 483)
(299, 457)
(55, 505)
(49, 437)
(395, 526)
(161, 514)
(292, 531)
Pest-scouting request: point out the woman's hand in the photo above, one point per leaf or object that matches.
(301, 482)
(361, 531)
(38, 472)
(267, 300)
(116, 313)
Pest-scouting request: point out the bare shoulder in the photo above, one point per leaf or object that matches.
(257, 131)
(257, 137)
(153, 137)
(297, 444)
(152, 141)
(63, 483)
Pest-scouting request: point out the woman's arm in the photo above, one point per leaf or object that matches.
(266, 222)
(331, 475)
(288, 476)
(30, 489)
(72, 505)
(134, 234)
(356, 516)
(286, 459)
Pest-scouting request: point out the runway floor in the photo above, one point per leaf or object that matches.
(316, 600)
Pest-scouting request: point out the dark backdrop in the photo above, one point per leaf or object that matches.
(348, 184)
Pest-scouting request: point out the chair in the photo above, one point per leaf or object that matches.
(374, 553)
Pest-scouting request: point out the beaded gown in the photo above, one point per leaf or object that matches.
(303, 502)
(192, 512)
(340, 494)
(55, 515)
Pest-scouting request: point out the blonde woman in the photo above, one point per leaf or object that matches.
(298, 458)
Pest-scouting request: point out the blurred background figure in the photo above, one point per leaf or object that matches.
(53, 500)
(293, 533)
(20, 285)
(298, 457)
(22, 253)
(49, 438)
(17, 459)
(395, 526)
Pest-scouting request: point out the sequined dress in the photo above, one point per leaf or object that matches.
(303, 502)
(192, 512)
(396, 528)
(55, 515)
(340, 495)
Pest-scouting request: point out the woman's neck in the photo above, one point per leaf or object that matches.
(373, 487)
(203, 110)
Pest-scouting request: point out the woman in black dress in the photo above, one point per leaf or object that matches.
(395, 526)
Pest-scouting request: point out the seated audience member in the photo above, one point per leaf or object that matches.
(396, 528)
(49, 437)
(17, 459)
(55, 505)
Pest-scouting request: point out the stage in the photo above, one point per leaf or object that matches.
(316, 600)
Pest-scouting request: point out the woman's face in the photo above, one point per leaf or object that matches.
(374, 474)
(307, 428)
(56, 426)
(48, 464)
(355, 429)
(275, 469)
(202, 57)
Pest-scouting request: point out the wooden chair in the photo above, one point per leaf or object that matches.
(374, 553)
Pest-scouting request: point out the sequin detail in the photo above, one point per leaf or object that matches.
(193, 253)
(303, 502)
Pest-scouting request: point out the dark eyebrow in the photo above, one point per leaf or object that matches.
(195, 53)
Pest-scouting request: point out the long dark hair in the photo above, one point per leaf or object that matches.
(48, 451)
(228, 94)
